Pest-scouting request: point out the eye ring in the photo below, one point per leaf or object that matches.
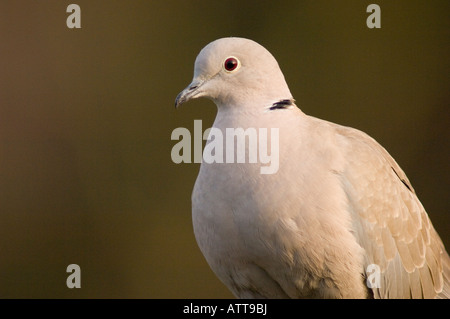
(231, 64)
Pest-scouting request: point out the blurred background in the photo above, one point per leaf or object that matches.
(86, 117)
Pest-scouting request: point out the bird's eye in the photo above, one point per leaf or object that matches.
(231, 64)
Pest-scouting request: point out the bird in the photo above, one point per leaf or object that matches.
(339, 217)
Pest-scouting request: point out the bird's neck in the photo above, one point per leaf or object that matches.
(258, 115)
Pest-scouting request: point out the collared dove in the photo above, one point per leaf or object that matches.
(338, 210)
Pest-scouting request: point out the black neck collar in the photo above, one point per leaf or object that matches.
(282, 104)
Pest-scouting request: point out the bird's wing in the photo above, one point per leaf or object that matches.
(391, 224)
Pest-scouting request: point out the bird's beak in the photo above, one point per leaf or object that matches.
(191, 92)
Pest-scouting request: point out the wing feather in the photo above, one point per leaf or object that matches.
(391, 224)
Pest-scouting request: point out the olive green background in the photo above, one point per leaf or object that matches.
(86, 117)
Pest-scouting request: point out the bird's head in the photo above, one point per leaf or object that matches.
(236, 72)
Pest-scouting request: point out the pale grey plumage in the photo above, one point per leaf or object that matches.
(338, 203)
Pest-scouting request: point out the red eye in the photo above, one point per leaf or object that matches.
(231, 64)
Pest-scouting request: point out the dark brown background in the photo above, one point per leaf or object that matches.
(86, 117)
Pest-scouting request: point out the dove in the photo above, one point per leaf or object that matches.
(338, 219)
